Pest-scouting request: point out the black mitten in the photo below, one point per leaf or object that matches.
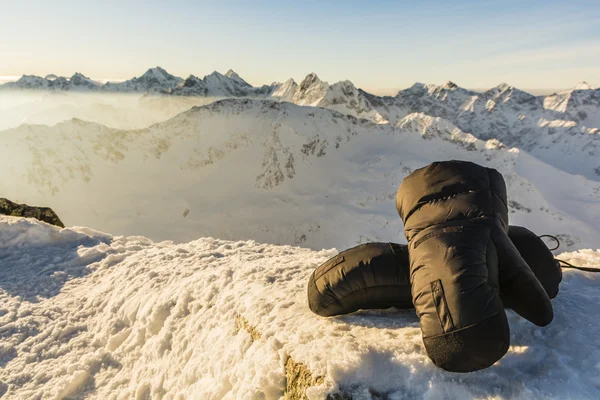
(456, 222)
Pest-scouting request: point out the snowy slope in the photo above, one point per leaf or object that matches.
(509, 115)
(231, 74)
(344, 97)
(269, 171)
(580, 104)
(284, 91)
(85, 314)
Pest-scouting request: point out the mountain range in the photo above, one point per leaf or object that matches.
(86, 314)
(566, 121)
(323, 159)
(278, 173)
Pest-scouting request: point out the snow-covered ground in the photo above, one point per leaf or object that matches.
(84, 314)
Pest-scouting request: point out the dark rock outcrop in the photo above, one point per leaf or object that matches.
(44, 214)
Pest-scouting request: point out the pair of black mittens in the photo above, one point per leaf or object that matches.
(463, 267)
(376, 275)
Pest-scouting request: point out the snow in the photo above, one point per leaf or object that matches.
(269, 171)
(154, 79)
(217, 85)
(583, 86)
(284, 91)
(77, 82)
(127, 315)
(233, 75)
(310, 91)
(87, 314)
(505, 113)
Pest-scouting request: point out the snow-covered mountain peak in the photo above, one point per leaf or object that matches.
(583, 86)
(310, 80)
(428, 127)
(505, 92)
(219, 85)
(157, 73)
(79, 75)
(342, 88)
(191, 86)
(448, 90)
(231, 74)
(77, 82)
(346, 83)
(417, 86)
(450, 85)
(80, 81)
(190, 80)
(580, 104)
(155, 80)
(31, 81)
(215, 75)
(502, 87)
(284, 91)
(311, 90)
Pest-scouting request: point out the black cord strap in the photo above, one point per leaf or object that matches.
(553, 238)
(565, 264)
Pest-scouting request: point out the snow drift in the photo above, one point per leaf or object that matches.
(88, 315)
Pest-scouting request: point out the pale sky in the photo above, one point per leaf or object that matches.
(377, 44)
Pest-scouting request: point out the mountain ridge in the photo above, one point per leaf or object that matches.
(325, 177)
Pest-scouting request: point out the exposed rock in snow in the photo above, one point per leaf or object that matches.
(44, 214)
(88, 315)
